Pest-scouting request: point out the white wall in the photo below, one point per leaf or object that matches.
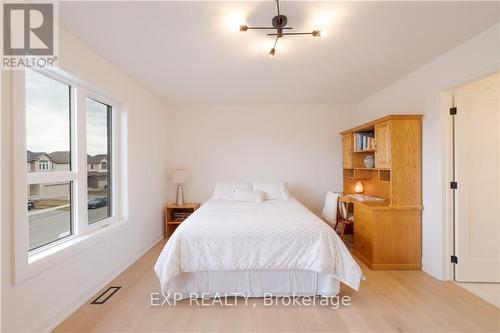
(40, 302)
(297, 143)
(419, 92)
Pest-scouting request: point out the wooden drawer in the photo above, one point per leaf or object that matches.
(363, 246)
(363, 221)
(362, 211)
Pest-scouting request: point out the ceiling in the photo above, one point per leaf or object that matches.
(192, 52)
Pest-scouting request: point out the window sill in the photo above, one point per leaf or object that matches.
(40, 261)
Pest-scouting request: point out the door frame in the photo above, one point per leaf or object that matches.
(446, 102)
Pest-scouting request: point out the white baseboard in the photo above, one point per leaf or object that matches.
(88, 295)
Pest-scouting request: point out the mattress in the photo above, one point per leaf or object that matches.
(274, 235)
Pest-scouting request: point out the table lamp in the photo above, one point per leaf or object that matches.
(358, 188)
(180, 177)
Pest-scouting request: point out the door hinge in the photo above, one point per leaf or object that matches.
(454, 259)
(453, 185)
(453, 111)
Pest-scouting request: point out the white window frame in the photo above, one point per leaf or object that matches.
(45, 165)
(28, 263)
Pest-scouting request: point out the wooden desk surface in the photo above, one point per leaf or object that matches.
(192, 205)
(379, 204)
(375, 204)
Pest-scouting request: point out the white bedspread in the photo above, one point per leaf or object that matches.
(270, 235)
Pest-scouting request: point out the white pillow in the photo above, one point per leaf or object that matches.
(225, 191)
(248, 195)
(272, 190)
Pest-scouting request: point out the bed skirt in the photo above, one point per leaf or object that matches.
(254, 283)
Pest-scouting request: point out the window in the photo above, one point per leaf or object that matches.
(43, 165)
(63, 133)
(98, 148)
(49, 203)
(66, 197)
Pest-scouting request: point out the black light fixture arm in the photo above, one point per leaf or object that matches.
(263, 28)
(293, 33)
(273, 50)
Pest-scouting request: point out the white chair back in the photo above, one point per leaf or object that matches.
(343, 210)
(330, 208)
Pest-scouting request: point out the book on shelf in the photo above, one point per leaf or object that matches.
(180, 215)
(364, 141)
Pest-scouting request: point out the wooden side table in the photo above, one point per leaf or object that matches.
(175, 215)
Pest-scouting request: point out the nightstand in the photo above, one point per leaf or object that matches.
(175, 214)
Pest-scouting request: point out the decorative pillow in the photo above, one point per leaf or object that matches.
(272, 190)
(248, 195)
(225, 191)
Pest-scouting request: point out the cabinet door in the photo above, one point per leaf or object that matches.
(347, 150)
(383, 145)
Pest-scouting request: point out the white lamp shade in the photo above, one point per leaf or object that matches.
(358, 188)
(180, 176)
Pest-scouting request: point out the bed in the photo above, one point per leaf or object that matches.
(254, 249)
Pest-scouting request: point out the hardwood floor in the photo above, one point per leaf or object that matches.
(401, 301)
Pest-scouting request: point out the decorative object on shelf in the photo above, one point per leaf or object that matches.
(369, 161)
(279, 24)
(358, 188)
(180, 177)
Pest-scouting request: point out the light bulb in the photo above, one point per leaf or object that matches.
(272, 52)
(316, 33)
(235, 21)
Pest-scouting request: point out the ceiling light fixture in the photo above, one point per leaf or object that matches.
(279, 24)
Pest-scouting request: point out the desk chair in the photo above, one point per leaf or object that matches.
(345, 217)
(336, 211)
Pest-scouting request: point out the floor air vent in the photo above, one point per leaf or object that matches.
(102, 298)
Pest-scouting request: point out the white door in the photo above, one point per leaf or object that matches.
(477, 166)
